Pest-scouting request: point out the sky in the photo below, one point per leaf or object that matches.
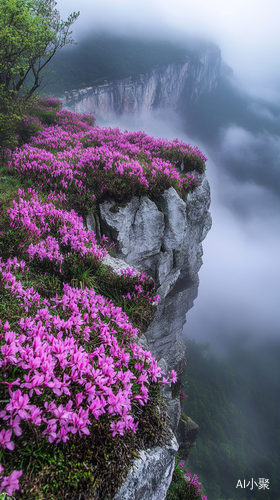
(247, 31)
(239, 289)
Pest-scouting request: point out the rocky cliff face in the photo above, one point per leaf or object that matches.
(164, 240)
(174, 86)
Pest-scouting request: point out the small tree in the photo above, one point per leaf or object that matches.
(31, 33)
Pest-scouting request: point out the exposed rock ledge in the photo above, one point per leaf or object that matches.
(164, 240)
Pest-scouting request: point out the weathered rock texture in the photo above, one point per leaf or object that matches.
(164, 240)
(150, 475)
(174, 86)
(187, 432)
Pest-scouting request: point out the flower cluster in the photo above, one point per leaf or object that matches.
(66, 379)
(73, 157)
(131, 272)
(193, 482)
(53, 229)
(50, 102)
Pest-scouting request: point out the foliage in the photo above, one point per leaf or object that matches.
(31, 33)
(10, 116)
(184, 485)
(76, 400)
(233, 401)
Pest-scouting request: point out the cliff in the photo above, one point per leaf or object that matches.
(164, 240)
(173, 86)
(157, 218)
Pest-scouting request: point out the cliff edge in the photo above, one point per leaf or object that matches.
(164, 241)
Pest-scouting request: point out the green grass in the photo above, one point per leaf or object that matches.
(97, 462)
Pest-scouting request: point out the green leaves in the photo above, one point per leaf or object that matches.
(31, 32)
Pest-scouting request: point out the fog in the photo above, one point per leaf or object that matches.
(238, 300)
(239, 281)
(246, 30)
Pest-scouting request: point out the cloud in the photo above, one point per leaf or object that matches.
(251, 157)
(238, 298)
(239, 280)
(246, 30)
(239, 289)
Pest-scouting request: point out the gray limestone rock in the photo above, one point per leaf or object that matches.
(93, 224)
(168, 283)
(167, 246)
(174, 411)
(138, 229)
(117, 265)
(151, 474)
(116, 223)
(174, 218)
(165, 265)
(186, 434)
(165, 330)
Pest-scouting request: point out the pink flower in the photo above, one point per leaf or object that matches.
(79, 399)
(14, 424)
(97, 406)
(173, 376)
(19, 404)
(116, 402)
(10, 483)
(5, 439)
(35, 416)
(117, 427)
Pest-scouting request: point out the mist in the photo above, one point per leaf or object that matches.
(238, 300)
(247, 31)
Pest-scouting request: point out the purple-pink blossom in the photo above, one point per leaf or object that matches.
(50, 342)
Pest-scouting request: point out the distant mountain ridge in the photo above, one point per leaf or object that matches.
(175, 85)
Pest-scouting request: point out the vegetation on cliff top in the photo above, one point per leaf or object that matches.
(85, 165)
(101, 58)
(72, 380)
(69, 367)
